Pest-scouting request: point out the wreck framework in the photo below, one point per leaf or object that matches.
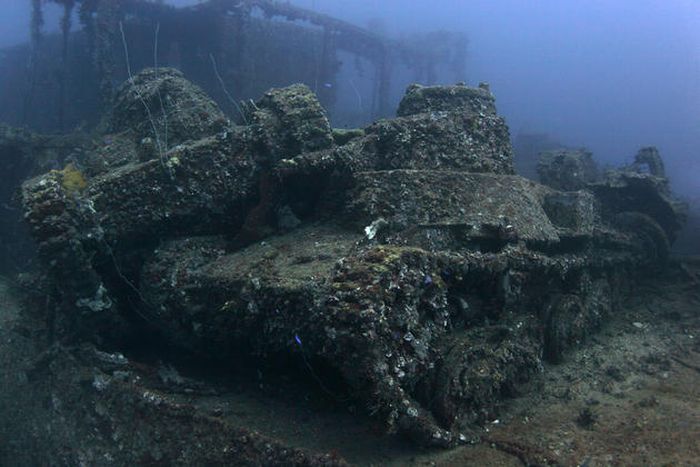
(251, 45)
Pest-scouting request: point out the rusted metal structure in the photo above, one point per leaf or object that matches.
(234, 49)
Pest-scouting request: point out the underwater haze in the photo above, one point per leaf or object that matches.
(612, 76)
(609, 75)
(335, 232)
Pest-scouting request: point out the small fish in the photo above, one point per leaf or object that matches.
(298, 339)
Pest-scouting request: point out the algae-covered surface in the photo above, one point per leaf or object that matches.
(629, 398)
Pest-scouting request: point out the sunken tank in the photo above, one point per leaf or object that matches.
(406, 259)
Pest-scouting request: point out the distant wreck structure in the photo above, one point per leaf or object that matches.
(405, 264)
(234, 49)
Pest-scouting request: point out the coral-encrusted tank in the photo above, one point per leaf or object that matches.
(407, 261)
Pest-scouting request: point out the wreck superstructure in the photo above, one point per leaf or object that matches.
(234, 50)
